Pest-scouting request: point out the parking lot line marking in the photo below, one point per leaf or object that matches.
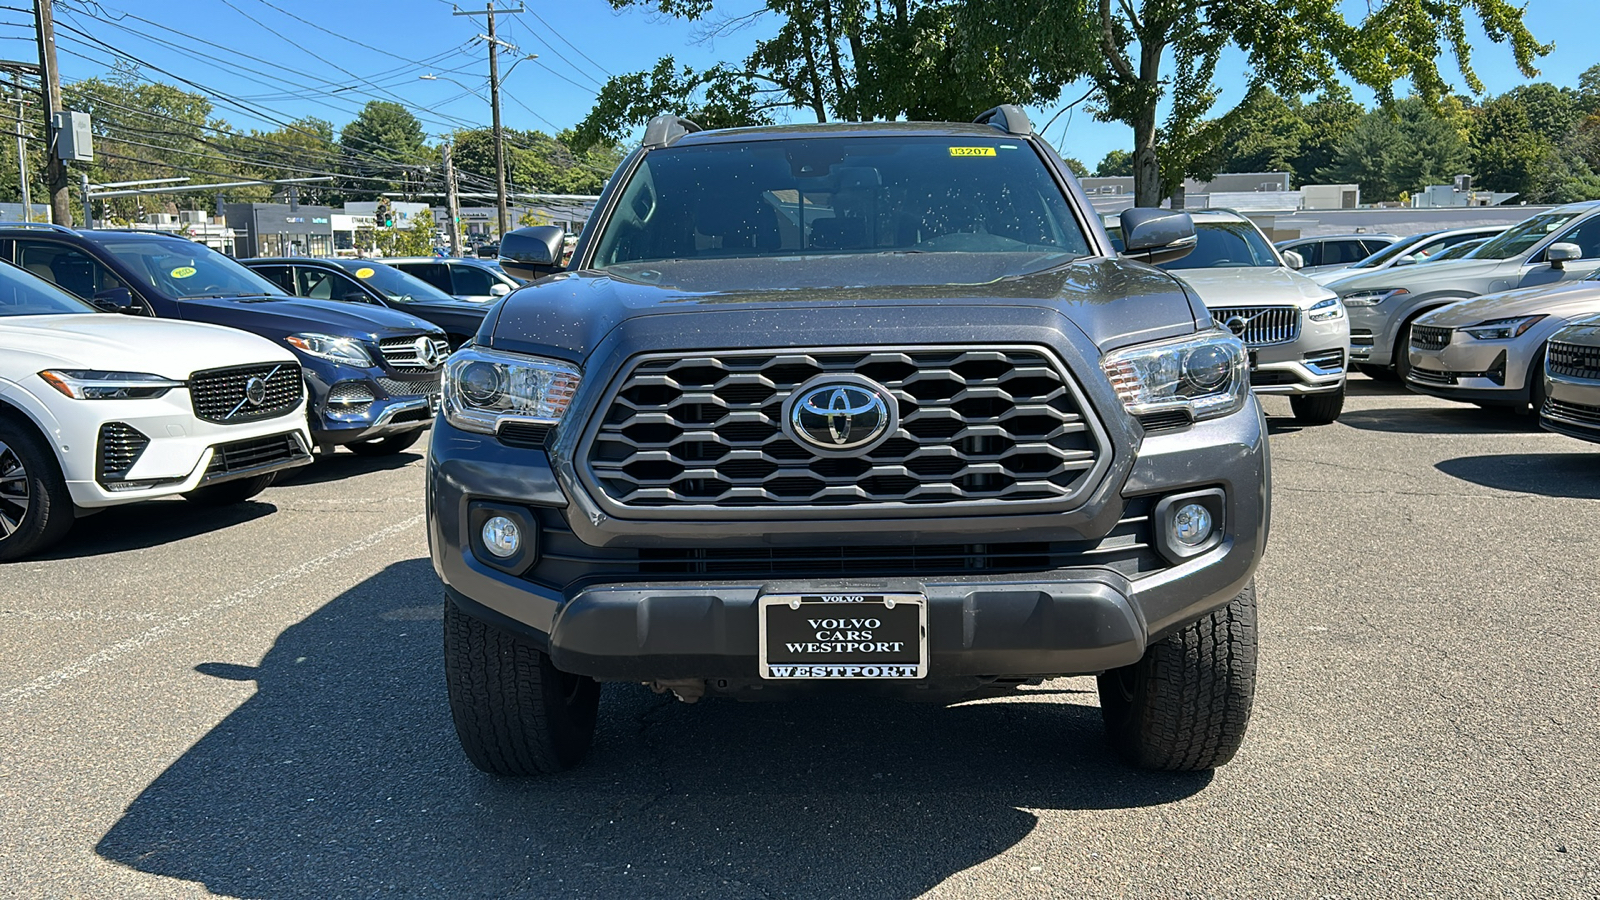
(52, 680)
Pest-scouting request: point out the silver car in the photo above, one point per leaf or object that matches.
(1490, 350)
(1572, 381)
(1561, 244)
(1297, 332)
(1418, 248)
(1327, 252)
(477, 280)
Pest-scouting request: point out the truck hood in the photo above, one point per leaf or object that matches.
(1253, 286)
(281, 315)
(1420, 278)
(116, 343)
(1565, 300)
(1113, 302)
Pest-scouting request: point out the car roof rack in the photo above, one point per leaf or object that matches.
(49, 225)
(1007, 117)
(664, 131)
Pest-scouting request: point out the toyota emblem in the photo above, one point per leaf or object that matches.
(840, 416)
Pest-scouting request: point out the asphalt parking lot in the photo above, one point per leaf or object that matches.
(249, 703)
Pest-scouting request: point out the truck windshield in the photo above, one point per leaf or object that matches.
(185, 269)
(1521, 237)
(841, 195)
(1226, 245)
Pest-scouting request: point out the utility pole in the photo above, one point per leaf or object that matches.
(50, 78)
(494, 102)
(22, 147)
(452, 205)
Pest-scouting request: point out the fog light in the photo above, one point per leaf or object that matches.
(503, 538)
(1191, 524)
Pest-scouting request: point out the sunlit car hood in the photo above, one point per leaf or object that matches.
(116, 343)
(1565, 300)
(1584, 332)
(1253, 286)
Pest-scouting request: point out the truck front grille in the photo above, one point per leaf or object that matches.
(1260, 326)
(976, 426)
(1430, 337)
(1573, 360)
(226, 395)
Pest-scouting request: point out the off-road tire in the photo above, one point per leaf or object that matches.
(230, 492)
(49, 513)
(385, 446)
(1317, 409)
(1185, 706)
(515, 713)
(1377, 372)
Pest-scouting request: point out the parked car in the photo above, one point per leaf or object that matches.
(98, 410)
(1459, 251)
(872, 406)
(1572, 381)
(465, 278)
(1296, 330)
(368, 281)
(1334, 251)
(1429, 246)
(373, 373)
(1561, 244)
(1490, 350)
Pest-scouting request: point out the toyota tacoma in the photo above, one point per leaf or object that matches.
(871, 408)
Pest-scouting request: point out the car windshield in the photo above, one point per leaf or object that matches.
(1460, 250)
(842, 195)
(396, 286)
(185, 269)
(1522, 237)
(1391, 251)
(1226, 245)
(22, 294)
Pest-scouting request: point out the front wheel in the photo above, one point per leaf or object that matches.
(1185, 706)
(385, 446)
(1317, 409)
(35, 508)
(515, 713)
(230, 492)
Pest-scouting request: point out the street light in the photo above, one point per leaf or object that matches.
(494, 104)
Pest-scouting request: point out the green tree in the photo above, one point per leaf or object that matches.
(1115, 163)
(1401, 149)
(416, 240)
(385, 149)
(1077, 167)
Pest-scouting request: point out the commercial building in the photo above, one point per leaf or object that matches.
(281, 229)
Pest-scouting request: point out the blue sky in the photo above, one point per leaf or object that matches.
(280, 68)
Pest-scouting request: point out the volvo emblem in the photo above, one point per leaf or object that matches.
(841, 415)
(427, 353)
(1237, 325)
(255, 392)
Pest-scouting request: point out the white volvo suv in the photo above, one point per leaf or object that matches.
(98, 409)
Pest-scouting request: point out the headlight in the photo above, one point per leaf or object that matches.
(1502, 329)
(1326, 311)
(1373, 298)
(87, 384)
(482, 388)
(327, 346)
(1206, 375)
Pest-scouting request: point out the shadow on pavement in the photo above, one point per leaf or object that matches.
(1363, 386)
(344, 464)
(341, 777)
(139, 525)
(1438, 420)
(1572, 475)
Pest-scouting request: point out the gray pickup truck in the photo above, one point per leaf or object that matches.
(870, 408)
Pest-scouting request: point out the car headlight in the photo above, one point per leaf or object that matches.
(1502, 329)
(327, 346)
(88, 384)
(1373, 298)
(1207, 375)
(483, 388)
(1326, 310)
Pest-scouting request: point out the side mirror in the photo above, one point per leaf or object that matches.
(1295, 260)
(498, 290)
(116, 300)
(1558, 254)
(532, 252)
(1156, 235)
(356, 297)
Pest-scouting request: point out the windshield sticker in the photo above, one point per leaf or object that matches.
(972, 151)
(365, 272)
(183, 271)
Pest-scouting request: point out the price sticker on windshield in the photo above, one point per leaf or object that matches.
(365, 272)
(183, 271)
(972, 151)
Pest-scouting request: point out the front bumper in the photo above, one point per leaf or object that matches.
(1315, 363)
(389, 403)
(1572, 409)
(1494, 372)
(1078, 619)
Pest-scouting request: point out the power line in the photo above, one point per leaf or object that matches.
(574, 47)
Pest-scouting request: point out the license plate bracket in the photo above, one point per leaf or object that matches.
(843, 636)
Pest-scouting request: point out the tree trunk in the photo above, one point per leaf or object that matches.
(1146, 171)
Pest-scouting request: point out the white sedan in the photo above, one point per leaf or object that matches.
(98, 409)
